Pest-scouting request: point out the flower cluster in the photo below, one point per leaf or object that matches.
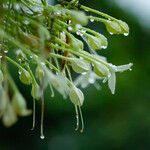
(47, 37)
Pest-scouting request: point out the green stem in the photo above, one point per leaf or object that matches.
(14, 63)
(97, 12)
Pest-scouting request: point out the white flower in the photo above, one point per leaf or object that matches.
(113, 70)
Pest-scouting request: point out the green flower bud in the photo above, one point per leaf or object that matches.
(19, 105)
(103, 39)
(74, 43)
(9, 116)
(36, 91)
(25, 77)
(39, 73)
(113, 27)
(1, 77)
(80, 65)
(78, 17)
(93, 42)
(124, 27)
(101, 70)
(3, 100)
(76, 96)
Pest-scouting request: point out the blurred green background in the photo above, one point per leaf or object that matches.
(112, 122)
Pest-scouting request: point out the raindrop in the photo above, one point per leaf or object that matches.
(78, 33)
(110, 33)
(70, 28)
(130, 69)
(5, 51)
(92, 20)
(19, 72)
(42, 137)
(126, 34)
(104, 47)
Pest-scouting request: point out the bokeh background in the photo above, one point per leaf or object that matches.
(112, 122)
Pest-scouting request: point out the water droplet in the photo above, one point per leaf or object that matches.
(5, 51)
(104, 47)
(110, 33)
(19, 72)
(92, 20)
(130, 69)
(126, 34)
(19, 60)
(42, 137)
(78, 33)
(69, 21)
(31, 57)
(70, 28)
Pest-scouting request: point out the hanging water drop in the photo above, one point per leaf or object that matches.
(92, 20)
(104, 47)
(5, 51)
(42, 137)
(78, 33)
(126, 34)
(19, 72)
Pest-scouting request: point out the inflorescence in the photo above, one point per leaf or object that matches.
(52, 39)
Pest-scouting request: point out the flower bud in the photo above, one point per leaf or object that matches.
(19, 105)
(39, 73)
(80, 65)
(113, 27)
(1, 77)
(25, 77)
(74, 43)
(36, 91)
(124, 27)
(78, 17)
(9, 117)
(76, 96)
(103, 39)
(3, 100)
(101, 70)
(93, 42)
